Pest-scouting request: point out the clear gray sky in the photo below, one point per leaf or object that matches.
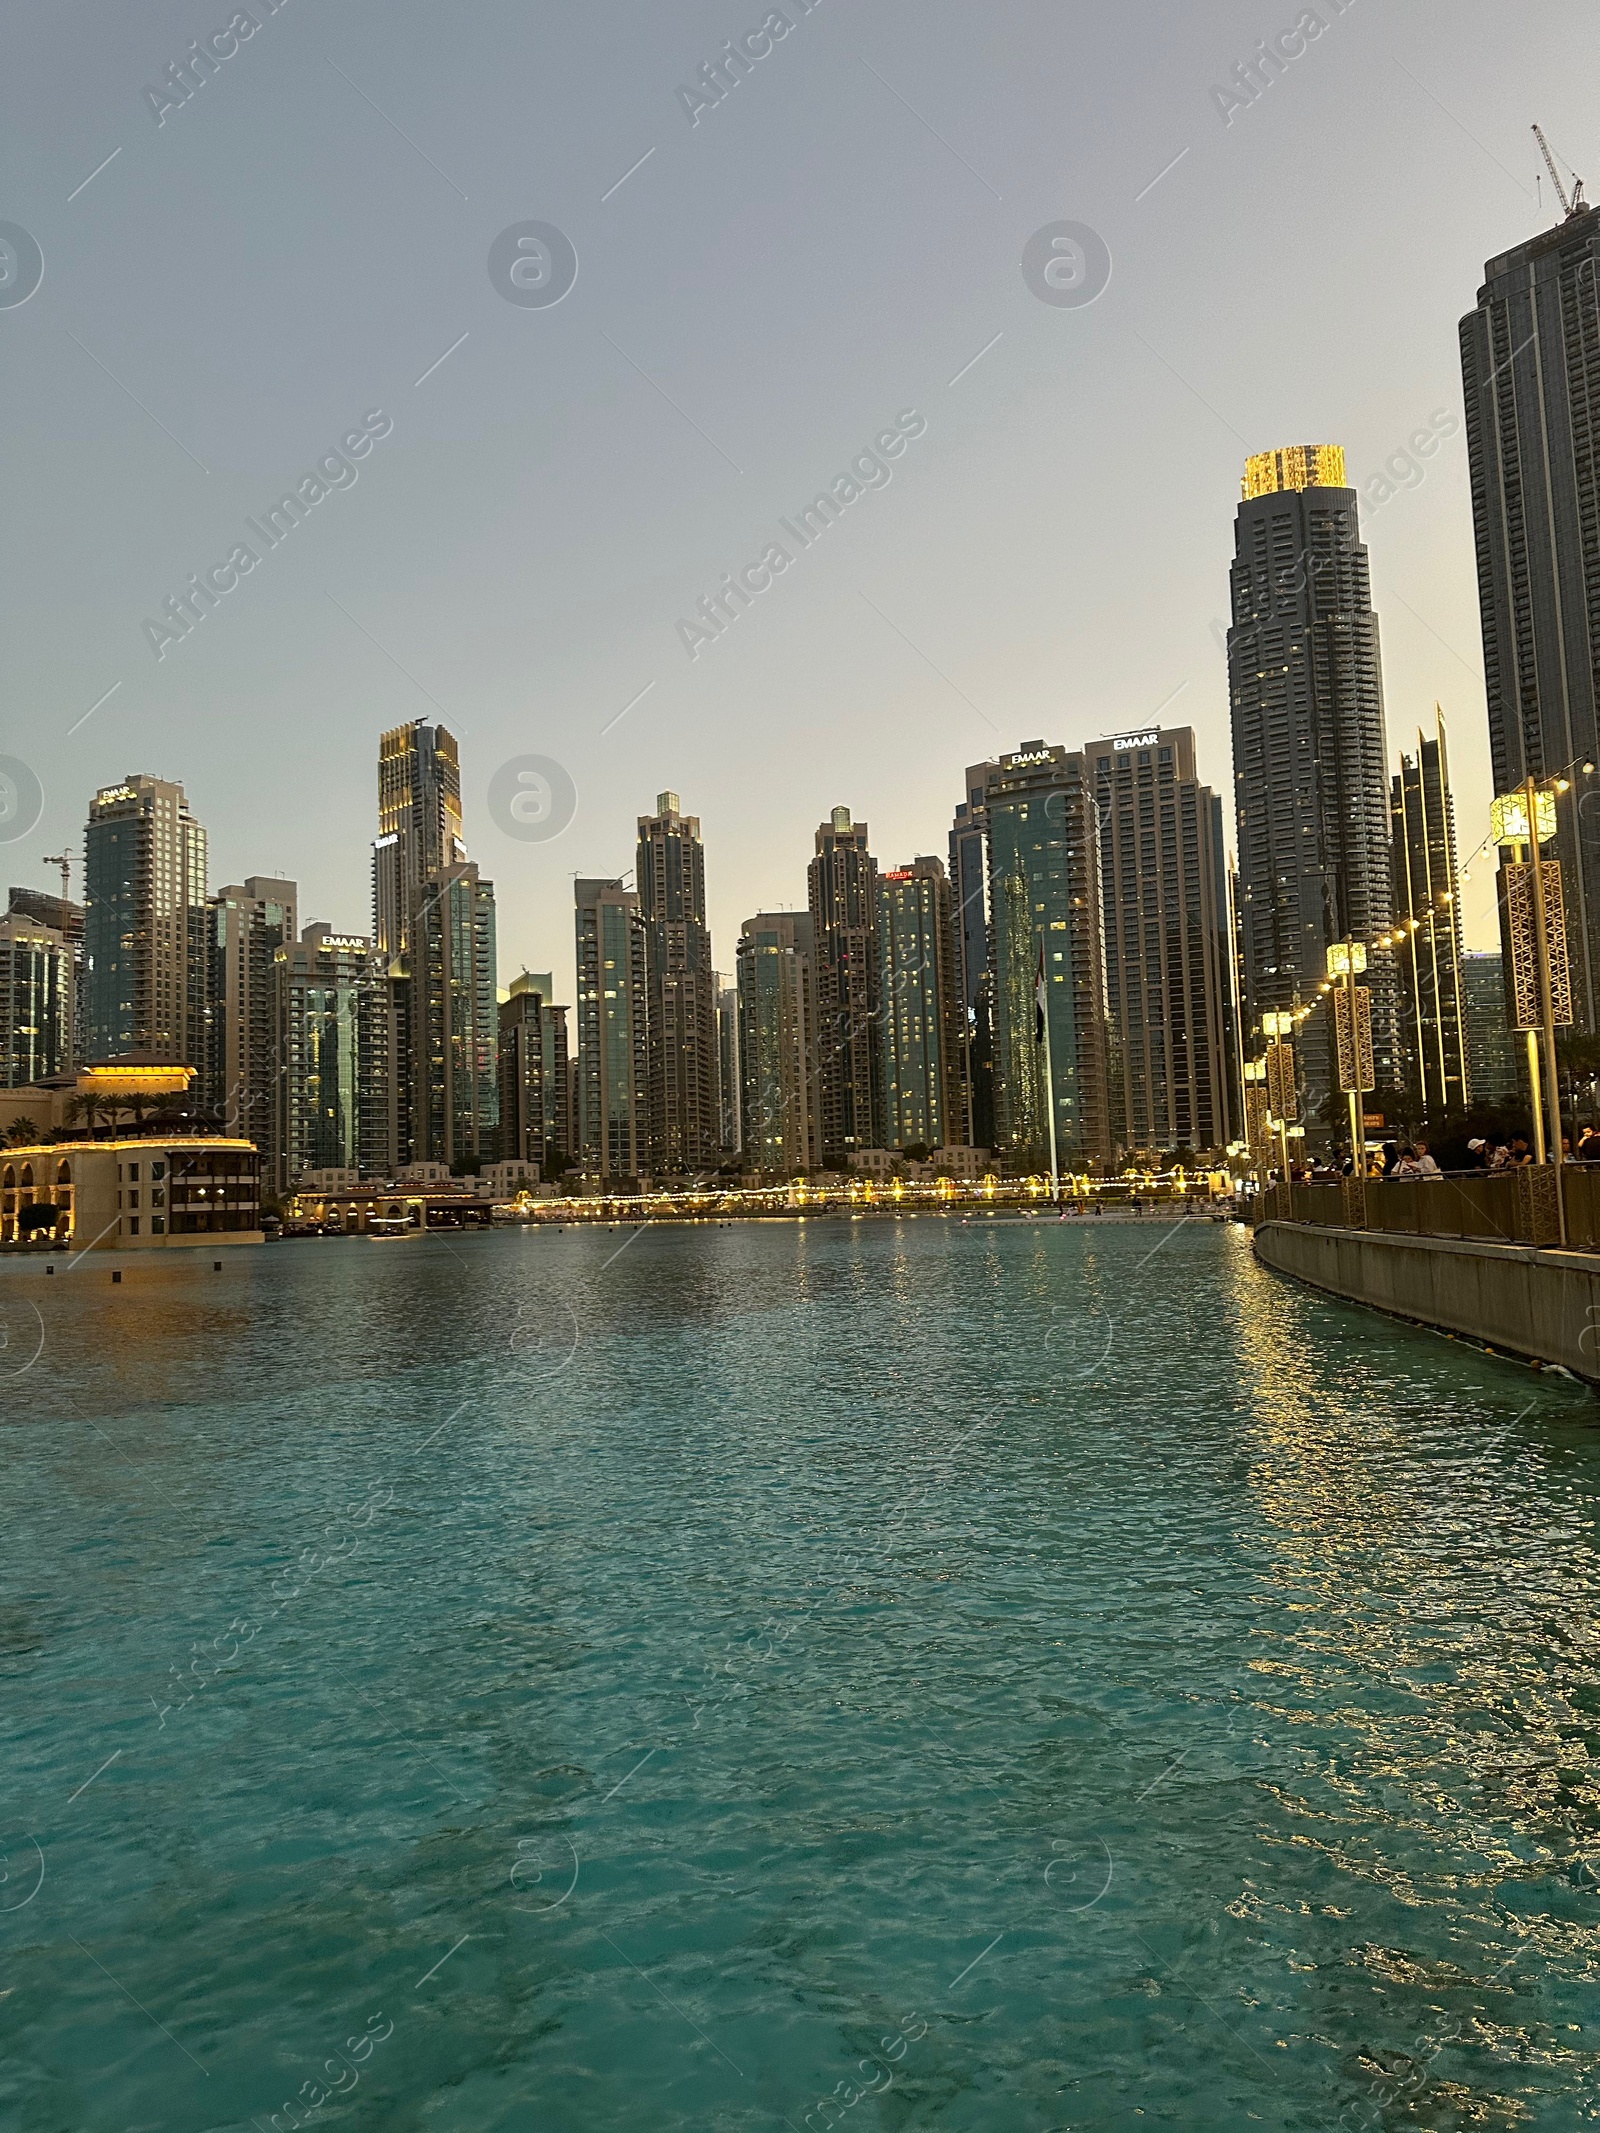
(831, 244)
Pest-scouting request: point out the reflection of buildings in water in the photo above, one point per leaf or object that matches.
(1426, 1629)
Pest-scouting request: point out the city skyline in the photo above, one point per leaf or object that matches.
(1008, 531)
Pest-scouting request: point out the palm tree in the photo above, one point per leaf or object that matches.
(24, 1133)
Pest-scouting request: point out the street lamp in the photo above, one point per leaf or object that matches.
(1541, 980)
(1352, 1038)
(1282, 1097)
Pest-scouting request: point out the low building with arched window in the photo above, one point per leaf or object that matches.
(150, 1190)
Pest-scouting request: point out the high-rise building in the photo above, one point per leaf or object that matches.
(847, 975)
(1049, 961)
(973, 945)
(62, 916)
(781, 1099)
(146, 951)
(728, 1069)
(332, 1029)
(433, 929)
(1169, 944)
(1530, 365)
(456, 1031)
(922, 1017)
(1311, 788)
(670, 881)
(248, 923)
(533, 1075)
(419, 827)
(37, 984)
(1427, 906)
(1492, 1075)
(613, 1065)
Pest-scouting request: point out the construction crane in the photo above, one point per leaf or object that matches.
(1569, 207)
(62, 860)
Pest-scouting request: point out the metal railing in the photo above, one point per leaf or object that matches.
(1510, 1207)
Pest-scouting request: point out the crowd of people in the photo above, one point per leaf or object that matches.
(1486, 1156)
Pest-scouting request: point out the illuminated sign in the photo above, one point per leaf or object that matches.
(1015, 762)
(345, 940)
(1136, 740)
(114, 792)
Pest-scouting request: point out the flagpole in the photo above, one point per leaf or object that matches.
(1049, 1074)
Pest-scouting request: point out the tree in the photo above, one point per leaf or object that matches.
(24, 1133)
(41, 1215)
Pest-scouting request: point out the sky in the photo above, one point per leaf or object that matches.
(305, 250)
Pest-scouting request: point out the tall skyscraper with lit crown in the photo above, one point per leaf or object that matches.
(1311, 784)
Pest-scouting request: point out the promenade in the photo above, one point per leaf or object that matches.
(1510, 1261)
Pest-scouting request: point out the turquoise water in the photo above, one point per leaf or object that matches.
(885, 1674)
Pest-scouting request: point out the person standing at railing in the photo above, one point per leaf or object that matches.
(1406, 1164)
(1426, 1166)
(1519, 1156)
(1589, 1145)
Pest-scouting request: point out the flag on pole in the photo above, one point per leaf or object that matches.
(1038, 1000)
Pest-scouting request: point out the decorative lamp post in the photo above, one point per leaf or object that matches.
(1256, 1131)
(1536, 927)
(1352, 1038)
(1282, 1097)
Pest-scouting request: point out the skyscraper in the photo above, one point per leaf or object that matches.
(670, 879)
(247, 923)
(973, 941)
(533, 1075)
(1530, 367)
(331, 1032)
(148, 966)
(433, 930)
(1169, 945)
(922, 1018)
(847, 968)
(1311, 787)
(1049, 960)
(1491, 1049)
(1428, 911)
(456, 1030)
(62, 916)
(36, 998)
(419, 827)
(781, 1100)
(613, 1064)
(728, 1090)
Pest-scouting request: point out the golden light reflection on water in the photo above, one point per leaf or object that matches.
(1434, 1572)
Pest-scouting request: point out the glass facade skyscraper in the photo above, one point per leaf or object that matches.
(781, 1117)
(456, 1045)
(1428, 908)
(146, 953)
(921, 1007)
(37, 980)
(613, 1077)
(848, 976)
(972, 944)
(247, 923)
(670, 879)
(1311, 783)
(331, 1034)
(1169, 944)
(1049, 960)
(1530, 369)
(433, 930)
(533, 1075)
